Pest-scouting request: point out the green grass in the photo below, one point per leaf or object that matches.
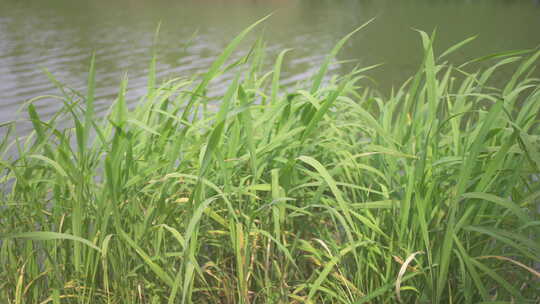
(329, 194)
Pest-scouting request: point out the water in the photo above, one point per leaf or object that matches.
(60, 35)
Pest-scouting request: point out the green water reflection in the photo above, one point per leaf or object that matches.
(61, 35)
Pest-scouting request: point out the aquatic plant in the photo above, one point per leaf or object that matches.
(329, 193)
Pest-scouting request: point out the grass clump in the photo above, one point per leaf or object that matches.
(332, 194)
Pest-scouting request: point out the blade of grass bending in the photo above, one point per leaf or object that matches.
(160, 273)
(413, 97)
(48, 236)
(143, 126)
(322, 111)
(523, 67)
(496, 55)
(374, 123)
(505, 284)
(431, 81)
(503, 258)
(55, 81)
(40, 132)
(317, 80)
(51, 162)
(177, 235)
(329, 266)
(331, 183)
(276, 75)
(279, 245)
(528, 248)
(508, 204)
(456, 47)
(195, 179)
(194, 221)
(402, 272)
(383, 289)
(214, 69)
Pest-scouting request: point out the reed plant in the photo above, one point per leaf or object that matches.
(324, 193)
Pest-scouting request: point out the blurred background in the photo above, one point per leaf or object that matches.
(60, 35)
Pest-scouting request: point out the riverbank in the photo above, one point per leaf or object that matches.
(325, 194)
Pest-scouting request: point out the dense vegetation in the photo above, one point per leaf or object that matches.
(328, 194)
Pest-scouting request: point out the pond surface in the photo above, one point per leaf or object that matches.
(60, 35)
